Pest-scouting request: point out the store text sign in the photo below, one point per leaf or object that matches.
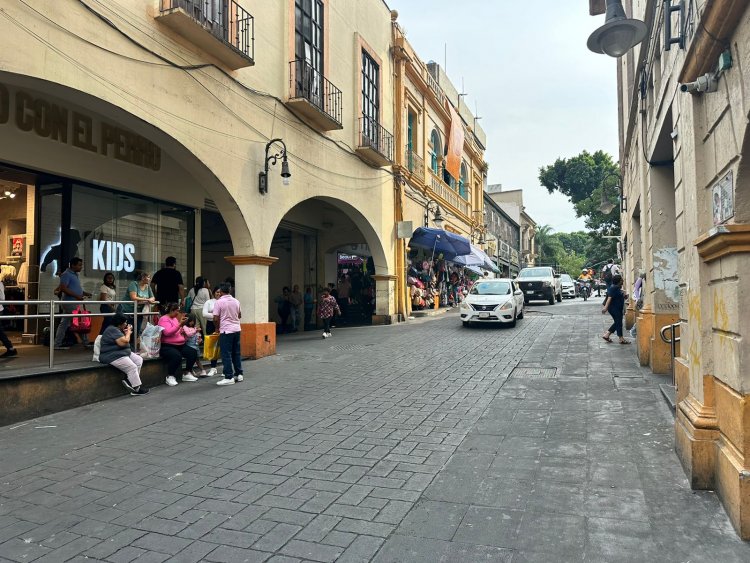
(109, 256)
(53, 121)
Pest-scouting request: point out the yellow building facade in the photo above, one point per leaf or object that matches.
(683, 98)
(429, 113)
(138, 129)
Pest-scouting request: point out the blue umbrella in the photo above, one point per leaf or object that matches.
(442, 242)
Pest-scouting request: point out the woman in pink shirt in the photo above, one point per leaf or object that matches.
(174, 347)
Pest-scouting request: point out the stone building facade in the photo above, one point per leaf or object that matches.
(684, 144)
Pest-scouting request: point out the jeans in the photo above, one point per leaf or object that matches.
(326, 324)
(617, 324)
(5, 340)
(295, 317)
(64, 325)
(229, 343)
(173, 354)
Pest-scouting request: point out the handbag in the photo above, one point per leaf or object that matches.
(81, 321)
(211, 347)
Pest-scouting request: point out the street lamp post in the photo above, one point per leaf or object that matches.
(271, 159)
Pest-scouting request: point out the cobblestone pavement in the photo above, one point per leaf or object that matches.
(395, 444)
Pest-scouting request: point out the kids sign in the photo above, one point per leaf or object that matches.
(53, 121)
(109, 256)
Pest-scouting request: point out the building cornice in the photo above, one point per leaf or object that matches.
(722, 241)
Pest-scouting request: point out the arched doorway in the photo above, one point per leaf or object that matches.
(323, 242)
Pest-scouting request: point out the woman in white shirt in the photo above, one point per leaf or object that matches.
(107, 292)
(198, 295)
(208, 315)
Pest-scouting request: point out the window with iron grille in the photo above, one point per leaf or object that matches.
(308, 49)
(370, 98)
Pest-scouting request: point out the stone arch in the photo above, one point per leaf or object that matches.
(173, 145)
(742, 183)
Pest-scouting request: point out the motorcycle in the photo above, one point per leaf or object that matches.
(585, 290)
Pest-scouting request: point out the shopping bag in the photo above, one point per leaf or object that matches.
(97, 348)
(81, 321)
(211, 347)
(151, 341)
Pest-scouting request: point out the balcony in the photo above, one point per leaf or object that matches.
(375, 142)
(313, 96)
(222, 29)
(440, 188)
(415, 164)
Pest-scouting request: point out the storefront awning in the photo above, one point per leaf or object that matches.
(450, 245)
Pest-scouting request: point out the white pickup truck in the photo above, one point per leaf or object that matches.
(540, 283)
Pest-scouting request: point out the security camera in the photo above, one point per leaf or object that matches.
(674, 134)
(705, 83)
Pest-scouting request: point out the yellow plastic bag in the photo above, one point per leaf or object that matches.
(211, 347)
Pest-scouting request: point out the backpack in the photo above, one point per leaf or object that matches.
(607, 273)
(189, 300)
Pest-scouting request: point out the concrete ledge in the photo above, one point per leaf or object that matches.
(30, 396)
(429, 313)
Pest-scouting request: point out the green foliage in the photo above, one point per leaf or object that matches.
(582, 179)
(572, 251)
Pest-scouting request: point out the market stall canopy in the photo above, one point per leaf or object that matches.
(450, 245)
(476, 257)
(475, 270)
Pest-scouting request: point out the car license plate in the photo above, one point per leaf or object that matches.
(530, 292)
(484, 315)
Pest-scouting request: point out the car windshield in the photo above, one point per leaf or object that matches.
(566, 278)
(491, 288)
(534, 273)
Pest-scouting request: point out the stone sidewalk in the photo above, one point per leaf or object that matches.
(419, 442)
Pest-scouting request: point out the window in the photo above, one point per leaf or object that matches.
(410, 130)
(370, 97)
(308, 50)
(435, 150)
(463, 181)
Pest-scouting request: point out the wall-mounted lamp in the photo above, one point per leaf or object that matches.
(272, 159)
(619, 33)
(606, 206)
(437, 217)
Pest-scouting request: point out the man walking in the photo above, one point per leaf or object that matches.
(167, 284)
(71, 289)
(295, 300)
(227, 314)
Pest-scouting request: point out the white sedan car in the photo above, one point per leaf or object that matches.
(497, 300)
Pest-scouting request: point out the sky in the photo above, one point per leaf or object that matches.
(540, 92)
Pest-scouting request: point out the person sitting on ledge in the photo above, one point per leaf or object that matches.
(115, 351)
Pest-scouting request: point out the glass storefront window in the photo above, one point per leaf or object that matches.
(112, 232)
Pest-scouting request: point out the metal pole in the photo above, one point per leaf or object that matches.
(135, 325)
(51, 333)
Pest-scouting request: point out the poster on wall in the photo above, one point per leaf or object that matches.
(723, 199)
(17, 246)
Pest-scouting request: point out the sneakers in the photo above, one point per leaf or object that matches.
(189, 377)
(171, 381)
(9, 353)
(127, 385)
(212, 372)
(327, 335)
(238, 378)
(225, 381)
(140, 391)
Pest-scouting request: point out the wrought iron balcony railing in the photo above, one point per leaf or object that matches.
(308, 83)
(414, 163)
(450, 195)
(224, 19)
(372, 135)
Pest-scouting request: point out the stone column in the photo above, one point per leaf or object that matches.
(385, 300)
(251, 289)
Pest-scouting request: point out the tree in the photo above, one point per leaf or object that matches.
(548, 248)
(582, 179)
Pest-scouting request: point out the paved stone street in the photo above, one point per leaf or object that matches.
(392, 444)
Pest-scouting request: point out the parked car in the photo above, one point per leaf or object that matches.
(498, 300)
(568, 286)
(540, 283)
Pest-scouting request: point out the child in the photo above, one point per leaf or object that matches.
(326, 309)
(193, 339)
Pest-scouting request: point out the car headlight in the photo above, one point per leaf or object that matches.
(465, 305)
(506, 306)
(547, 284)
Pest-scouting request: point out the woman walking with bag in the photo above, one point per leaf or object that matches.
(615, 305)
